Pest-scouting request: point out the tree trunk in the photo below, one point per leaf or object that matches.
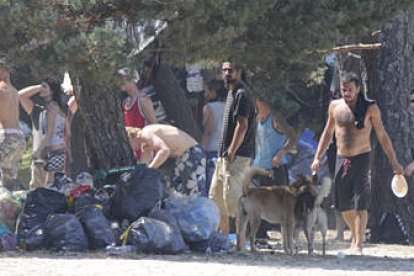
(396, 79)
(107, 144)
(174, 101)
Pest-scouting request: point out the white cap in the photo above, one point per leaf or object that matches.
(129, 73)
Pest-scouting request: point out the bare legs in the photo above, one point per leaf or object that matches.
(224, 224)
(361, 226)
(349, 218)
(357, 223)
(50, 177)
(340, 226)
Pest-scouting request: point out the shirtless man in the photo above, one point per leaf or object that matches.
(352, 119)
(169, 141)
(12, 141)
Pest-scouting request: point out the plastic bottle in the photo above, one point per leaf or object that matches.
(233, 238)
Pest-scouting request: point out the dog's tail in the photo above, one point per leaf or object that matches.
(248, 175)
(323, 191)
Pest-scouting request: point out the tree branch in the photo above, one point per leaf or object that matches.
(354, 47)
(299, 100)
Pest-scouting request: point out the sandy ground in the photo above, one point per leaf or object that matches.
(378, 259)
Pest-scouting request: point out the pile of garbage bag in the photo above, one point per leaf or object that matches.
(133, 215)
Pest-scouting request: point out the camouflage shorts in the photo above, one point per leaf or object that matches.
(12, 148)
(190, 172)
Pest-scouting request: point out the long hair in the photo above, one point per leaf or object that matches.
(218, 87)
(57, 92)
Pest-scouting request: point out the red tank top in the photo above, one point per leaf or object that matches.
(133, 117)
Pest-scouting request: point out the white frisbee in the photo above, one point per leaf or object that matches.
(399, 185)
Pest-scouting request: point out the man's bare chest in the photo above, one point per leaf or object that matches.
(344, 117)
(9, 98)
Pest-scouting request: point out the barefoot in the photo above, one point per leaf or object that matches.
(353, 244)
(358, 249)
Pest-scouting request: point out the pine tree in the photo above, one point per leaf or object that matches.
(279, 42)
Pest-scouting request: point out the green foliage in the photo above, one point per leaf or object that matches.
(54, 37)
(279, 41)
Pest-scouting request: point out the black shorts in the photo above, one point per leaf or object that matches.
(352, 182)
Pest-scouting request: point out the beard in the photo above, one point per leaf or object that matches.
(228, 81)
(350, 100)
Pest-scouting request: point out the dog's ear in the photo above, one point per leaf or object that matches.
(300, 181)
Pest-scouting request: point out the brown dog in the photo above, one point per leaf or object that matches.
(274, 204)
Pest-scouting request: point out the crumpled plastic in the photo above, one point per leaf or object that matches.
(197, 217)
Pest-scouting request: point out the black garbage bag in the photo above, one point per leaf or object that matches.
(197, 217)
(38, 205)
(103, 199)
(96, 227)
(87, 199)
(35, 238)
(152, 236)
(178, 243)
(80, 202)
(137, 193)
(65, 232)
(217, 243)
